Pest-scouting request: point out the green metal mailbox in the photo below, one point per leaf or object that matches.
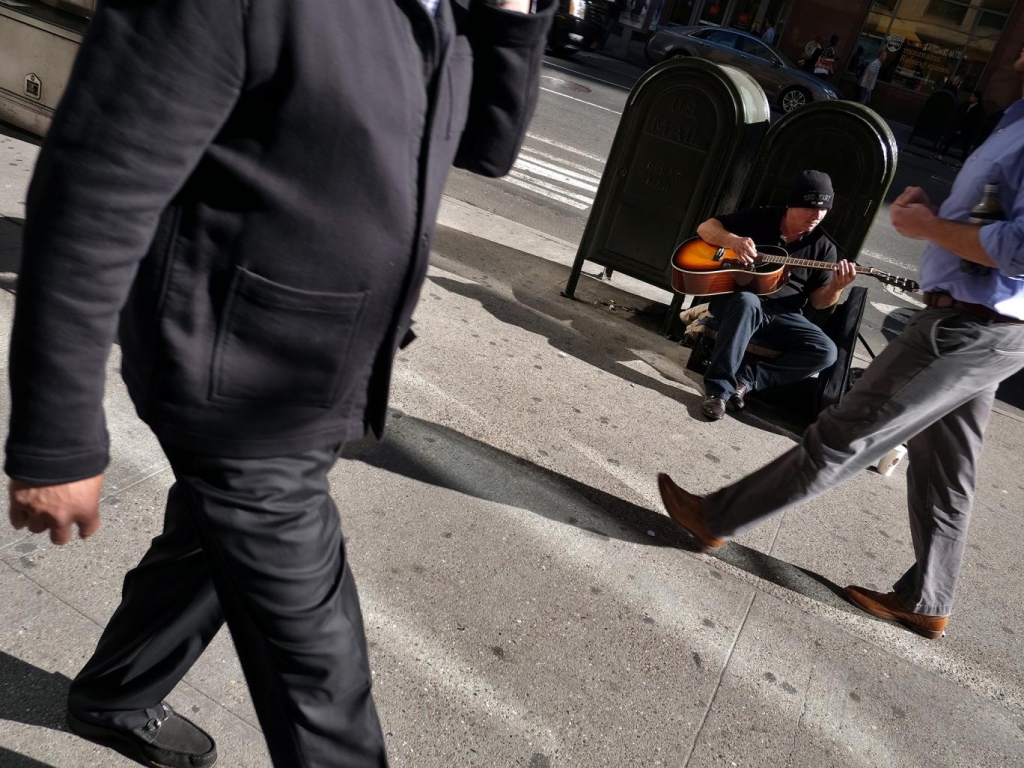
(682, 152)
(850, 143)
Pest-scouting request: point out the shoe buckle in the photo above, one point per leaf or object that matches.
(155, 722)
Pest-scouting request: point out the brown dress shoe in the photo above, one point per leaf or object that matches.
(886, 605)
(713, 407)
(738, 400)
(685, 509)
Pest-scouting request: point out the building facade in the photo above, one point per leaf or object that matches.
(959, 45)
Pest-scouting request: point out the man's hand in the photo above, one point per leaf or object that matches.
(845, 273)
(914, 196)
(57, 507)
(913, 220)
(743, 247)
(521, 6)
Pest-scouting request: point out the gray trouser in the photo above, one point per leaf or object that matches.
(931, 388)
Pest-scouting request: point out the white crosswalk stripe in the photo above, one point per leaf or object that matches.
(516, 179)
(563, 178)
(566, 147)
(550, 171)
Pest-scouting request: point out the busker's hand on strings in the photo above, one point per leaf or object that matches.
(57, 507)
(744, 248)
(845, 273)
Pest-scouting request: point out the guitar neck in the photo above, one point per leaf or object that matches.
(808, 263)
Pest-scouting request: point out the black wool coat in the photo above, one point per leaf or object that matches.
(244, 192)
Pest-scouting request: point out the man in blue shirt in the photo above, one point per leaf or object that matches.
(931, 388)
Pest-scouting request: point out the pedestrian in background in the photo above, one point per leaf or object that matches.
(965, 127)
(250, 186)
(825, 63)
(931, 388)
(811, 53)
(870, 77)
(769, 32)
(611, 21)
(856, 65)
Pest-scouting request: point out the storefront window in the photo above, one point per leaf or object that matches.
(682, 12)
(871, 40)
(713, 12)
(743, 14)
(946, 10)
(931, 43)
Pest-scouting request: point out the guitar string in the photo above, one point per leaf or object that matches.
(808, 263)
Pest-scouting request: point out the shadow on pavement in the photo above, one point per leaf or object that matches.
(559, 326)
(10, 759)
(10, 244)
(585, 328)
(31, 696)
(6, 129)
(434, 454)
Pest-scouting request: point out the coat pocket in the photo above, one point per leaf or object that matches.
(283, 345)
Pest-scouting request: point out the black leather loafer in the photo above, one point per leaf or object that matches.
(739, 399)
(713, 408)
(171, 741)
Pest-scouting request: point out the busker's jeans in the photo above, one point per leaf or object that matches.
(931, 388)
(804, 346)
(256, 542)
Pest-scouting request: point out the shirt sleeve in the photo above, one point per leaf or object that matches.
(739, 223)
(153, 84)
(819, 278)
(1003, 241)
(507, 53)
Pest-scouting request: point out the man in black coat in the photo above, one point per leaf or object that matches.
(965, 127)
(244, 193)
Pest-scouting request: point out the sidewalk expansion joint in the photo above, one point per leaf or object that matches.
(118, 491)
(718, 685)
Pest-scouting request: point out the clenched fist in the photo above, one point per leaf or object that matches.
(57, 507)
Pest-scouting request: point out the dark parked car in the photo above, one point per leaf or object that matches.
(783, 82)
(578, 24)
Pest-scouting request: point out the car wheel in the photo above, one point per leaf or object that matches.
(793, 98)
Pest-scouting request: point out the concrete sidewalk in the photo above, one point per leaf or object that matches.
(527, 601)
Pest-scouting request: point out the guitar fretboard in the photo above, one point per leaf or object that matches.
(810, 263)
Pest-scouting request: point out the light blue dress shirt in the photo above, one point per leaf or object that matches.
(1000, 160)
(430, 5)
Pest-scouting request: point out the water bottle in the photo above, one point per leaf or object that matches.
(985, 212)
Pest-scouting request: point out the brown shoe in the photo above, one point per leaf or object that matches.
(685, 509)
(886, 605)
(738, 400)
(713, 408)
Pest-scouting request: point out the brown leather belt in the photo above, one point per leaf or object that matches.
(945, 301)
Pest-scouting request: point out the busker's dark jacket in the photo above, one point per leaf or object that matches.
(244, 192)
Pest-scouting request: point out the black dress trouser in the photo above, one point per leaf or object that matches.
(255, 542)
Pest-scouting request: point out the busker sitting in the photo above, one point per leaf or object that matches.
(778, 318)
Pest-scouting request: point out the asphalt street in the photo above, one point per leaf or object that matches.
(556, 178)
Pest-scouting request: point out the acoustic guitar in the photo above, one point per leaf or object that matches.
(701, 269)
